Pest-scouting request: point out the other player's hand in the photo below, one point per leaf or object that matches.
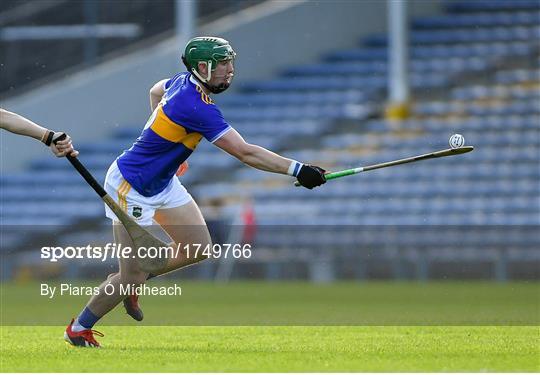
(311, 176)
(182, 169)
(62, 147)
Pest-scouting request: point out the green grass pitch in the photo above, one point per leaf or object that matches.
(348, 327)
(270, 349)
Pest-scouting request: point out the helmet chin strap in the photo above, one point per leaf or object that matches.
(204, 82)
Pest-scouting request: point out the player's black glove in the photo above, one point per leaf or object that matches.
(311, 176)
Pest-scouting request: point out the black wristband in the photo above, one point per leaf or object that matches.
(50, 136)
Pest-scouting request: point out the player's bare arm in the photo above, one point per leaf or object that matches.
(263, 159)
(252, 155)
(18, 124)
(156, 93)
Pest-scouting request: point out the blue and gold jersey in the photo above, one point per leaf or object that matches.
(173, 131)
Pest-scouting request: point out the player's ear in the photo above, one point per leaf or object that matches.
(202, 69)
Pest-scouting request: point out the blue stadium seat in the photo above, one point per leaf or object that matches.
(491, 5)
(40, 210)
(335, 82)
(517, 76)
(497, 49)
(498, 91)
(92, 162)
(467, 35)
(376, 67)
(288, 98)
(477, 20)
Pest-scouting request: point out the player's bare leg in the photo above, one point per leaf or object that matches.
(131, 303)
(186, 227)
(79, 332)
(129, 274)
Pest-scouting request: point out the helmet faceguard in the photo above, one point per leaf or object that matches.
(209, 51)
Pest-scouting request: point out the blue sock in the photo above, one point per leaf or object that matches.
(87, 318)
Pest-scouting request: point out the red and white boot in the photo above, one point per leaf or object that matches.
(84, 338)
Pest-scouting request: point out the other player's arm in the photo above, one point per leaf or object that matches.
(18, 124)
(258, 157)
(156, 93)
